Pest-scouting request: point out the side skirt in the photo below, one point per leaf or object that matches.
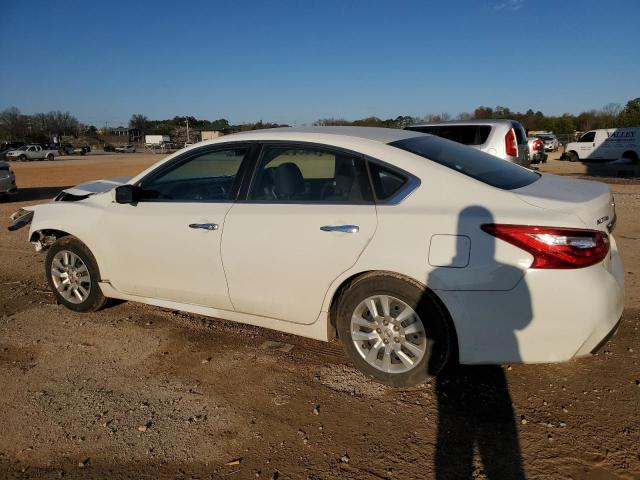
(317, 330)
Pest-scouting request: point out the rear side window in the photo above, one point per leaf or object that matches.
(386, 182)
(469, 161)
(310, 174)
(465, 134)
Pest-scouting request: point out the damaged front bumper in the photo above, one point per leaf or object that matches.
(20, 219)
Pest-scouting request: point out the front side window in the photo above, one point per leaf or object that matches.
(588, 137)
(309, 174)
(207, 176)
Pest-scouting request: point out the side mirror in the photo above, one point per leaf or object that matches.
(126, 194)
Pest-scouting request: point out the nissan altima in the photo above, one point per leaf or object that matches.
(413, 250)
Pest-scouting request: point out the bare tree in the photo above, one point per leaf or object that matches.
(13, 125)
(612, 109)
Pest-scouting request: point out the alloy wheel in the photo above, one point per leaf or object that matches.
(388, 334)
(70, 276)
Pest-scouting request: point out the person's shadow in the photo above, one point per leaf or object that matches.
(475, 412)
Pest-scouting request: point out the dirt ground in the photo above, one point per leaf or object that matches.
(135, 391)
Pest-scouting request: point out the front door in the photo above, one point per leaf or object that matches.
(586, 145)
(167, 245)
(308, 216)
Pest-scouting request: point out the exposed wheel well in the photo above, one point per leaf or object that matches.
(335, 300)
(47, 237)
(631, 155)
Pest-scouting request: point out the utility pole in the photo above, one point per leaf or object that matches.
(187, 131)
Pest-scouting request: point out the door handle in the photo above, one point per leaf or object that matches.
(341, 228)
(204, 226)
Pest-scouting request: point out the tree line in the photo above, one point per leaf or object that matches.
(610, 116)
(39, 127)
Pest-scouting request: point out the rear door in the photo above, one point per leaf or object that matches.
(523, 145)
(308, 215)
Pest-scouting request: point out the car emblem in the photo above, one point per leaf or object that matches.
(602, 220)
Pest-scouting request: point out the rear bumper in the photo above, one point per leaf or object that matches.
(8, 186)
(550, 316)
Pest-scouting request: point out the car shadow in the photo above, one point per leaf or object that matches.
(613, 170)
(36, 193)
(475, 412)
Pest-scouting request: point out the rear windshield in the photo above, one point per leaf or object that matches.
(469, 161)
(521, 135)
(465, 134)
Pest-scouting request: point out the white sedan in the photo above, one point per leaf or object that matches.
(413, 249)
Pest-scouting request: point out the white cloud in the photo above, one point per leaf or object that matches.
(511, 5)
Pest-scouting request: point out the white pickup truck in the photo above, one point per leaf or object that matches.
(31, 152)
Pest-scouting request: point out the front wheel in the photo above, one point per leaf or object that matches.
(23, 158)
(73, 275)
(394, 330)
(573, 156)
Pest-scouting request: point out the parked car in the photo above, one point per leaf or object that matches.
(68, 149)
(7, 180)
(31, 152)
(417, 250)
(550, 142)
(605, 144)
(504, 139)
(9, 146)
(126, 149)
(536, 150)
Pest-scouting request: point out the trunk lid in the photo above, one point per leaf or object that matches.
(591, 202)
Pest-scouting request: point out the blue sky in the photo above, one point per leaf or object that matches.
(297, 61)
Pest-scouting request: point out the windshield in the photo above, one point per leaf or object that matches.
(469, 161)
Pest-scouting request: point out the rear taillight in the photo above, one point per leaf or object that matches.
(553, 247)
(510, 144)
(537, 144)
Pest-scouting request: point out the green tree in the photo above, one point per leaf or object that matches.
(139, 122)
(630, 115)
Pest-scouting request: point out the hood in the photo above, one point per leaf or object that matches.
(591, 202)
(96, 186)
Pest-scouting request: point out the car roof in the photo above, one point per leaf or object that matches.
(465, 122)
(383, 135)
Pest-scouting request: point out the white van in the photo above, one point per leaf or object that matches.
(605, 144)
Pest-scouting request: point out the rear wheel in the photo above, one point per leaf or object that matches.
(631, 156)
(50, 157)
(393, 330)
(73, 275)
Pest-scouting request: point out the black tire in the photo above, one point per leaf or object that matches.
(95, 300)
(23, 158)
(50, 157)
(436, 323)
(573, 157)
(631, 156)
